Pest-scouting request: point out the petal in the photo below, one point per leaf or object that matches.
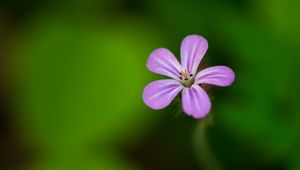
(159, 94)
(217, 75)
(193, 48)
(162, 61)
(195, 101)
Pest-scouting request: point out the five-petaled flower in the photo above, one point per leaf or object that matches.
(195, 101)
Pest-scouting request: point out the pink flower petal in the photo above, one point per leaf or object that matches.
(162, 61)
(159, 94)
(193, 48)
(195, 101)
(217, 75)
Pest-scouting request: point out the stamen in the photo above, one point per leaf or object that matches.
(184, 75)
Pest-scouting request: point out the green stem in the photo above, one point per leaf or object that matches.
(203, 151)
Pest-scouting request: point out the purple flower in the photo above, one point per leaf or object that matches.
(195, 101)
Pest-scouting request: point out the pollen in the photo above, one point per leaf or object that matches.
(185, 75)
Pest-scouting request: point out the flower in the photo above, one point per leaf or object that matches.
(195, 101)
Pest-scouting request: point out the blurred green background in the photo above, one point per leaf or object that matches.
(72, 74)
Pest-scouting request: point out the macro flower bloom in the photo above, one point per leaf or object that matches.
(195, 101)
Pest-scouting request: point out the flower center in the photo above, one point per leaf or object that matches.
(186, 77)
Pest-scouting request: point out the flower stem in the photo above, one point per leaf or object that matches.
(204, 154)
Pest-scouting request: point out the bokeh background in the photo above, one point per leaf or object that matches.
(72, 74)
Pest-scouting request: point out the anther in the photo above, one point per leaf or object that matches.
(191, 75)
(186, 79)
(180, 78)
